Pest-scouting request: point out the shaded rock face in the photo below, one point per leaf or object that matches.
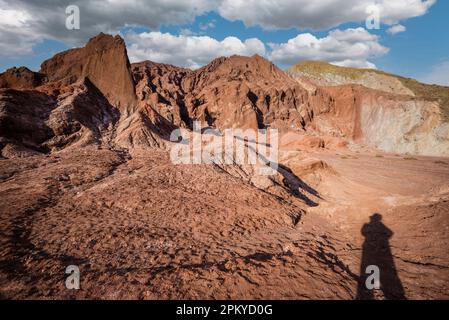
(81, 118)
(38, 122)
(21, 78)
(104, 61)
(160, 87)
(22, 118)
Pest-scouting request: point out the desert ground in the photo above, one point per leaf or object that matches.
(140, 227)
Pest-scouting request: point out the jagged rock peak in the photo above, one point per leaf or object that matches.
(255, 64)
(104, 61)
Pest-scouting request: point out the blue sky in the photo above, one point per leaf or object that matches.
(424, 45)
(192, 38)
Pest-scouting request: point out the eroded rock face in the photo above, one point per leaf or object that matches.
(81, 117)
(160, 86)
(391, 123)
(149, 100)
(38, 122)
(21, 78)
(23, 116)
(234, 92)
(371, 107)
(104, 61)
(244, 92)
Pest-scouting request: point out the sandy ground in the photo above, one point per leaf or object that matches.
(140, 227)
(410, 195)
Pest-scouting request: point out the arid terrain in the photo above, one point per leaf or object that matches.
(86, 179)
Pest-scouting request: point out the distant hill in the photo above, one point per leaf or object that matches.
(323, 73)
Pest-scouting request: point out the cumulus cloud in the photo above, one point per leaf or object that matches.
(439, 74)
(13, 18)
(280, 14)
(187, 51)
(397, 28)
(15, 37)
(349, 47)
(25, 22)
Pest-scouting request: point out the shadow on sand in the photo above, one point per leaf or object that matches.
(377, 251)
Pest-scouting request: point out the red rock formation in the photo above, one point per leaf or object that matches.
(104, 61)
(20, 78)
(160, 87)
(36, 121)
(22, 118)
(240, 92)
(234, 92)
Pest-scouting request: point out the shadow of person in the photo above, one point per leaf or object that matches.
(377, 252)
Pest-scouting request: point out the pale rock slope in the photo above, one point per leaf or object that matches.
(392, 113)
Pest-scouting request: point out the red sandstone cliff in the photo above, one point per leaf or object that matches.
(104, 61)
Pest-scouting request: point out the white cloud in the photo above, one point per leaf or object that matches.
(397, 28)
(354, 64)
(350, 47)
(187, 51)
(16, 43)
(15, 36)
(13, 18)
(439, 74)
(280, 14)
(25, 22)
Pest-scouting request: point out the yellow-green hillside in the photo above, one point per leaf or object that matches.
(421, 90)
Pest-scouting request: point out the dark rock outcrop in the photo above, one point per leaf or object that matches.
(21, 78)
